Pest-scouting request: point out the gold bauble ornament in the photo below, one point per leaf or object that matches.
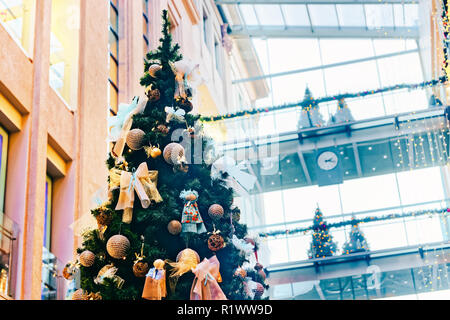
(140, 269)
(174, 227)
(153, 69)
(117, 246)
(215, 211)
(135, 139)
(87, 258)
(155, 152)
(80, 294)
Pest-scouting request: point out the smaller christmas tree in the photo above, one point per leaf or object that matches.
(357, 241)
(343, 113)
(322, 244)
(310, 115)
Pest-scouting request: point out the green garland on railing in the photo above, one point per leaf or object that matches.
(354, 221)
(306, 103)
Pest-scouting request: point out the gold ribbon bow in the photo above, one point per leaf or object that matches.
(142, 181)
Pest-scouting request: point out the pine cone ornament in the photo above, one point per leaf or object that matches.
(103, 219)
(87, 258)
(162, 128)
(216, 242)
(140, 269)
(135, 139)
(215, 211)
(117, 246)
(174, 227)
(80, 294)
(152, 94)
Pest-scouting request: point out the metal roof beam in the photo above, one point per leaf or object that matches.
(316, 2)
(239, 31)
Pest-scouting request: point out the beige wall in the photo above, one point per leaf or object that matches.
(38, 121)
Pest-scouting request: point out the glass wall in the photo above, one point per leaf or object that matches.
(17, 16)
(379, 195)
(64, 50)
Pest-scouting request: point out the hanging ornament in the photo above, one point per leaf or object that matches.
(135, 139)
(80, 294)
(103, 218)
(155, 282)
(215, 211)
(153, 152)
(87, 258)
(70, 270)
(140, 267)
(153, 69)
(94, 296)
(174, 154)
(216, 241)
(174, 227)
(260, 270)
(109, 271)
(191, 220)
(162, 128)
(117, 246)
(187, 259)
(153, 95)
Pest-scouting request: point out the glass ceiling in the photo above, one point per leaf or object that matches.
(370, 16)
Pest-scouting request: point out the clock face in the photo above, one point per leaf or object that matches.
(327, 160)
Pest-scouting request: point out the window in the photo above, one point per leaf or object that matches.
(48, 213)
(113, 79)
(3, 160)
(145, 25)
(18, 18)
(218, 56)
(206, 28)
(64, 49)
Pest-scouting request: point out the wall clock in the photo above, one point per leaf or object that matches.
(328, 167)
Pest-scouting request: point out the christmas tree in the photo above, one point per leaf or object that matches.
(322, 244)
(343, 113)
(168, 230)
(357, 241)
(310, 115)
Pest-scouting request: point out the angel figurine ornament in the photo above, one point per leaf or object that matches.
(191, 220)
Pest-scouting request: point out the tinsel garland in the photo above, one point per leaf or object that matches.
(307, 102)
(357, 221)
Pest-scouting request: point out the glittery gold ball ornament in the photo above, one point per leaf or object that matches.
(140, 269)
(188, 254)
(117, 246)
(216, 242)
(215, 211)
(80, 294)
(135, 139)
(153, 69)
(155, 152)
(174, 227)
(173, 152)
(87, 258)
